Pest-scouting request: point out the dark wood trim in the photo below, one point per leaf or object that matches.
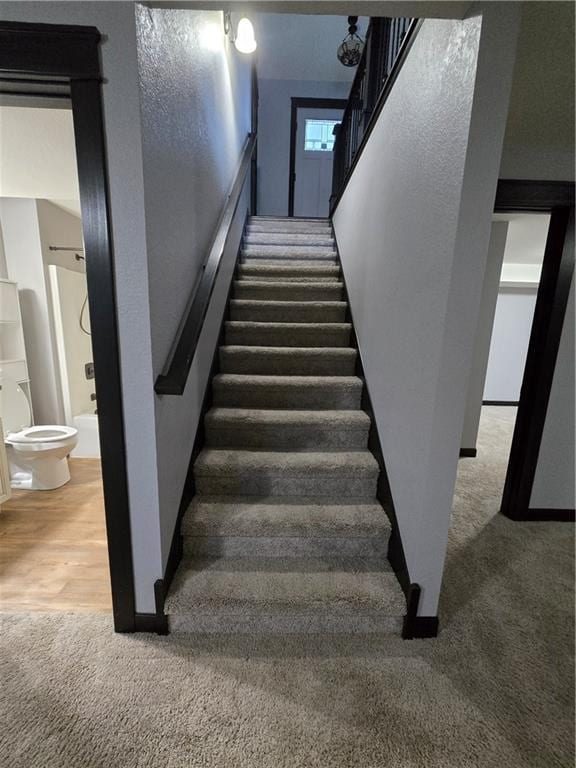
(549, 515)
(172, 381)
(557, 198)
(525, 195)
(49, 50)
(297, 103)
(92, 175)
(468, 453)
(500, 402)
(36, 54)
(407, 43)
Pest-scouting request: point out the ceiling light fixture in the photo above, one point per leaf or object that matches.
(350, 49)
(244, 39)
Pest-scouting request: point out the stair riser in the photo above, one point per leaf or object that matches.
(287, 365)
(287, 256)
(287, 624)
(284, 438)
(246, 546)
(289, 337)
(267, 485)
(289, 279)
(291, 263)
(298, 273)
(283, 292)
(291, 227)
(306, 398)
(286, 314)
(283, 238)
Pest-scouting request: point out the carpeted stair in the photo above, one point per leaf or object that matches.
(285, 533)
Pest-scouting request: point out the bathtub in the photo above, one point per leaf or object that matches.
(88, 443)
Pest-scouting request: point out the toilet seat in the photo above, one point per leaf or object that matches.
(44, 433)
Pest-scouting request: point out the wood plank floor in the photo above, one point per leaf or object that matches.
(53, 551)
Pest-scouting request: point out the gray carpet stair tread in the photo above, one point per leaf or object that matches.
(322, 392)
(286, 517)
(299, 361)
(288, 238)
(277, 310)
(352, 464)
(278, 418)
(289, 262)
(276, 587)
(288, 291)
(300, 253)
(278, 270)
(285, 334)
(287, 430)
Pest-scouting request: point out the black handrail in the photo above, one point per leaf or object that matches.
(172, 380)
(387, 44)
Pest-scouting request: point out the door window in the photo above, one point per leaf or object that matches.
(319, 135)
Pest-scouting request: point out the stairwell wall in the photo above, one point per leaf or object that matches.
(413, 228)
(195, 107)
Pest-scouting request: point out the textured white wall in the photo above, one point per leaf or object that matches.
(196, 98)
(274, 135)
(483, 334)
(121, 97)
(22, 241)
(413, 227)
(539, 140)
(37, 153)
(554, 479)
(77, 345)
(509, 344)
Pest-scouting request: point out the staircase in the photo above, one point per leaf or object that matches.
(285, 533)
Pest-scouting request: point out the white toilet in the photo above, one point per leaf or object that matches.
(38, 456)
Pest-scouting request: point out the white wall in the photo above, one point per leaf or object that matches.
(539, 140)
(509, 344)
(37, 153)
(195, 102)
(274, 135)
(413, 227)
(77, 345)
(23, 246)
(488, 301)
(554, 479)
(3, 265)
(121, 97)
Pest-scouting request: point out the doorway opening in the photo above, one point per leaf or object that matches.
(46, 66)
(313, 126)
(524, 328)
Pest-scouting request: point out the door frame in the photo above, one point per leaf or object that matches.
(297, 103)
(557, 199)
(59, 61)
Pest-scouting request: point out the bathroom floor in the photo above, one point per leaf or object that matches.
(53, 553)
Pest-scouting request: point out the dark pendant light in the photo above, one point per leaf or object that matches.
(350, 49)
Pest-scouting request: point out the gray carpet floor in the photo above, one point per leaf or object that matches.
(495, 689)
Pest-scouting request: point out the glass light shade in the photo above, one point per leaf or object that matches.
(245, 41)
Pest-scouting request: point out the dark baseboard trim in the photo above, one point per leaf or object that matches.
(414, 626)
(420, 628)
(468, 453)
(544, 515)
(500, 402)
(158, 622)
